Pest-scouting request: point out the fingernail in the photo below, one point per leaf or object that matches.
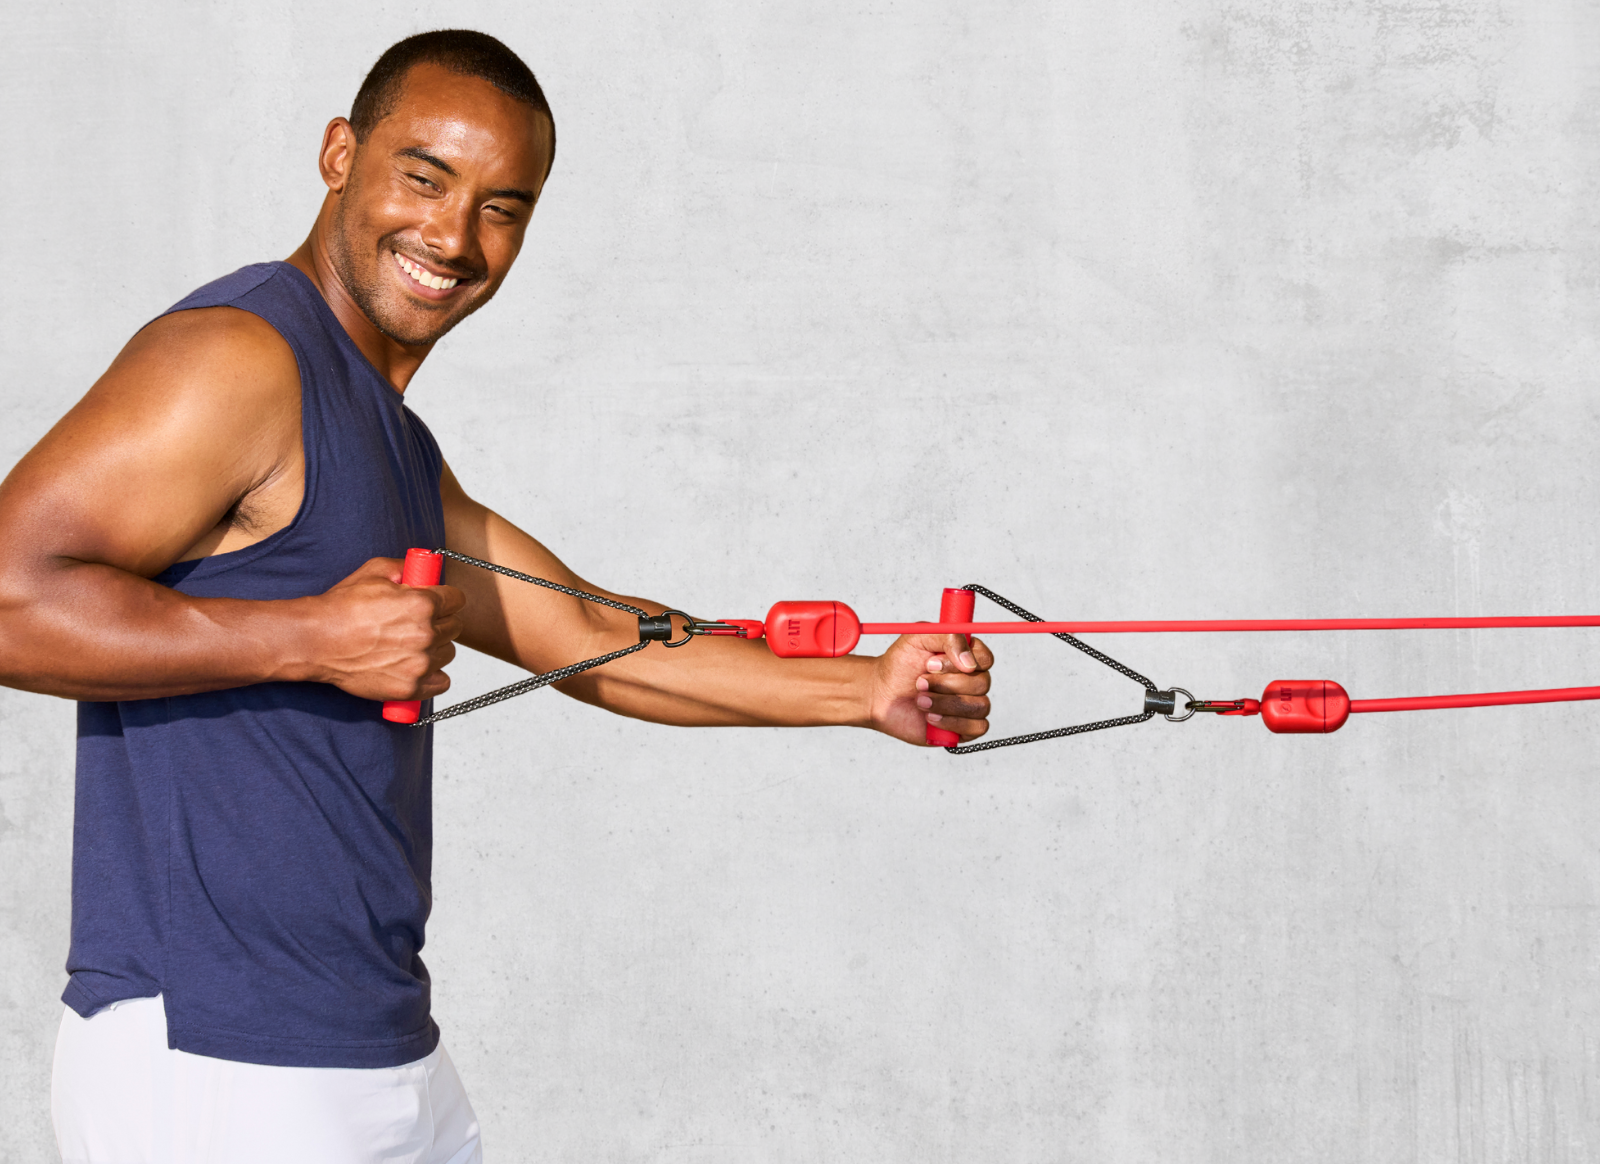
(934, 717)
(968, 661)
(924, 701)
(922, 684)
(936, 664)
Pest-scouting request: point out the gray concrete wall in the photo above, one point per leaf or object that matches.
(1146, 309)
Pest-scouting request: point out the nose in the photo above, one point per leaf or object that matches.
(450, 232)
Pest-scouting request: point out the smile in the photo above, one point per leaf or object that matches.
(423, 277)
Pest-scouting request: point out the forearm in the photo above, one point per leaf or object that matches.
(82, 630)
(728, 682)
(710, 681)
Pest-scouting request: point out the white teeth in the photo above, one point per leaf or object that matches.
(422, 277)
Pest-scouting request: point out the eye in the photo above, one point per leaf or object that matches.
(422, 181)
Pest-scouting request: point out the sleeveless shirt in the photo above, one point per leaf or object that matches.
(260, 856)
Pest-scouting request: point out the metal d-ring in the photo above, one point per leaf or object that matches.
(1189, 714)
(687, 633)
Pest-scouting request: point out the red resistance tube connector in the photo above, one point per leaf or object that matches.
(1295, 706)
(812, 630)
(422, 568)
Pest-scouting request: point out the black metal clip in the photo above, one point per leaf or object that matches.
(658, 628)
(1226, 706)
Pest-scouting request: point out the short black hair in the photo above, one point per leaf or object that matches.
(461, 50)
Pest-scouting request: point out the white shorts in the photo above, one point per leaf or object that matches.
(120, 1096)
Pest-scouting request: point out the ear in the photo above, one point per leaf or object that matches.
(338, 154)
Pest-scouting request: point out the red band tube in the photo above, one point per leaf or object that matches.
(422, 568)
(1169, 626)
(955, 606)
(1477, 699)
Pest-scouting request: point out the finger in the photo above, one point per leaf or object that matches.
(955, 683)
(448, 628)
(958, 651)
(438, 683)
(982, 653)
(449, 598)
(389, 568)
(957, 706)
(967, 729)
(932, 644)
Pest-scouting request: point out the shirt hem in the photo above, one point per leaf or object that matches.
(275, 1051)
(84, 1002)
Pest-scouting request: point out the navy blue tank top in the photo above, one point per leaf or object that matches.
(261, 856)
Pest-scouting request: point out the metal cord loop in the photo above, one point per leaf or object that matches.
(1188, 707)
(688, 624)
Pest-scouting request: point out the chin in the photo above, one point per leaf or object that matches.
(404, 329)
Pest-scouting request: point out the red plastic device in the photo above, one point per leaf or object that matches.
(422, 568)
(1297, 706)
(955, 606)
(812, 630)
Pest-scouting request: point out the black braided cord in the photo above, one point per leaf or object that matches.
(533, 683)
(546, 583)
(1077, 729)
(523, 685)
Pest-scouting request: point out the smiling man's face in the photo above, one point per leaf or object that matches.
(434, 204)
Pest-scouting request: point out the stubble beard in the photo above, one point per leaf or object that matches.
(363, 288)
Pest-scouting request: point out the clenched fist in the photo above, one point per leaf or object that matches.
(381, 640)
(937, 679)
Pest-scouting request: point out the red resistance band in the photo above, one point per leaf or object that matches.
(826, 629)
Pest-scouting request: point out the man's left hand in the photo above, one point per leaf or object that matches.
(937, 679)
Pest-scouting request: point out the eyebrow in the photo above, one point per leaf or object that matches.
(422, 155)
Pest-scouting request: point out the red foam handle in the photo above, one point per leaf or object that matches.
(955, 606)
(422, 568)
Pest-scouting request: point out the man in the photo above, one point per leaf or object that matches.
(204, 552)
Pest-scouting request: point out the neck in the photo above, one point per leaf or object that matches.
(396, 362)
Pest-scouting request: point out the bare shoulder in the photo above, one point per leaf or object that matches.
(199, 412)
(215, 347)
(217, 379)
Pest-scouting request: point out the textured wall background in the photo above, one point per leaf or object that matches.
(1148, 309)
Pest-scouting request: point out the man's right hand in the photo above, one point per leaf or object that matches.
(380, 640)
